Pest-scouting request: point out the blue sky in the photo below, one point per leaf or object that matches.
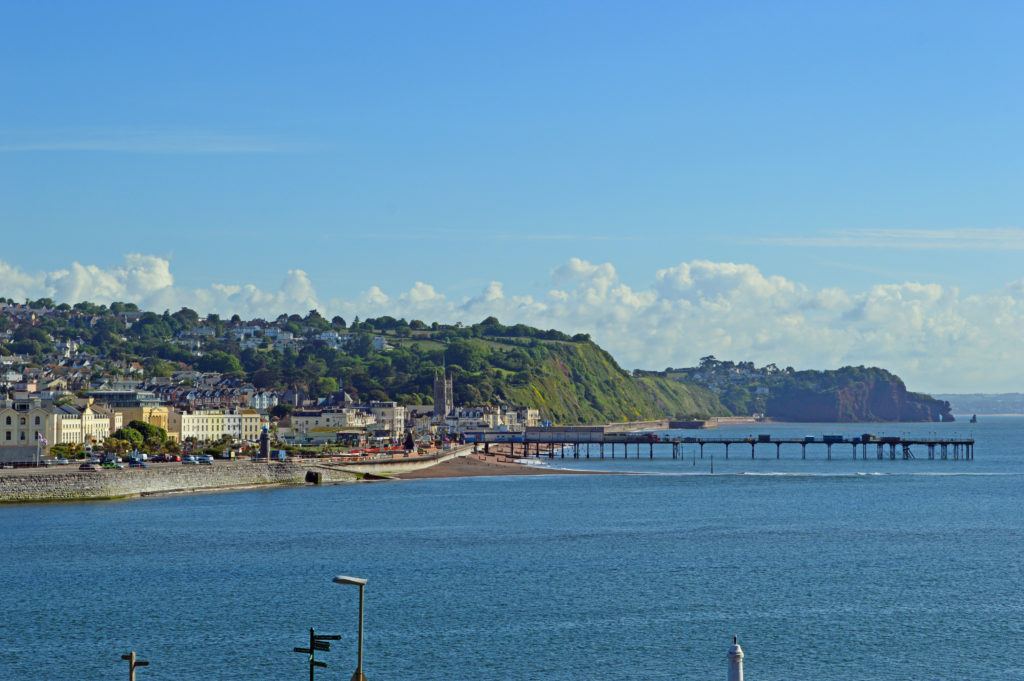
(838, 145)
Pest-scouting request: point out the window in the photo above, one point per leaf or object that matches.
(37, 420)
(22, 435)
(8, 420)
(8, 433)
(22, 420)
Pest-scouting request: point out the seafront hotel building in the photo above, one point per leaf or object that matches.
(213, 424)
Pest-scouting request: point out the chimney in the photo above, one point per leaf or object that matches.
(735, 661)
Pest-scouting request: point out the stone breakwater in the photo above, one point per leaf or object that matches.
(77, 485)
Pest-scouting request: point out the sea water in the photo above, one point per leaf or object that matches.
(839, 569)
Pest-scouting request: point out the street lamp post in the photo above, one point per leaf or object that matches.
(361, 583)
(133, 663)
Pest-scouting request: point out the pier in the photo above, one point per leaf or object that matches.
(596, 442)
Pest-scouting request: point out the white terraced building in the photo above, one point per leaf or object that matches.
(23, 420)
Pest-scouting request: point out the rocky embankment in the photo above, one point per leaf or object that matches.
(70, 484)
(75, 485)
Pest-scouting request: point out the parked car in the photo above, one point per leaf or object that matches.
(206, 459)
(138, 464)
(174, 458)
(190, 460)
(159, 458)
(113, 466)
(62, 461)
(88, 467)
(94, 459)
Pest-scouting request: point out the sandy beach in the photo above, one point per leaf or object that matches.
(476, 465)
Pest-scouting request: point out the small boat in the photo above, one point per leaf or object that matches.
(974, 418)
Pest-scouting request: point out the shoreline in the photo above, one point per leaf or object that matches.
(479, 465)
(69, 485)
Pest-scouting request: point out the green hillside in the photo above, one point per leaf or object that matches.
(578, 382)
(568, 378)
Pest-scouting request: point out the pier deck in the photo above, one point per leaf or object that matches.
(595, 442)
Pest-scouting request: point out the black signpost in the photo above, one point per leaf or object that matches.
(317, 642)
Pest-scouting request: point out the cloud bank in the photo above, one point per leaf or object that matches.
(935, 337)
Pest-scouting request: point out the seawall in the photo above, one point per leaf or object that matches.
(631, 426)
(70, 484)
(75, 485)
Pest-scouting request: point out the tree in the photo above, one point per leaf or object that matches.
(129, 435)
(27, 347)
(280, 411)
(266, 378)
(158, 367)
(119, 308)
(116, 445)
(218, 360)
(708, 362)
(67, 450)
(361, 344)
(149, 431)
(467, 354)
(314, 320)
(326, 385)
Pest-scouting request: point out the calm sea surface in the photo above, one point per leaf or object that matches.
(846, 569)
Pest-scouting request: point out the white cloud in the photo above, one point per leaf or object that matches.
(934, 336)
(422, 293)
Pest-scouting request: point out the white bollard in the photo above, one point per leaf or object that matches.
(735, 661)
